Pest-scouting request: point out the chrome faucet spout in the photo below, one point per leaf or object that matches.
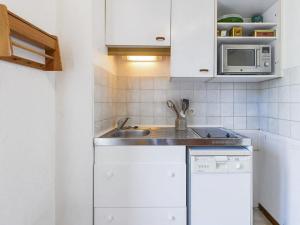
(121, 123)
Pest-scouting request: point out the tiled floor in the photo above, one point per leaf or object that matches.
(259, 218)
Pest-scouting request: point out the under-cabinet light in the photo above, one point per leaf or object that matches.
(142, 58)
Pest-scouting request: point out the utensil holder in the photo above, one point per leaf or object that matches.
(181, 123)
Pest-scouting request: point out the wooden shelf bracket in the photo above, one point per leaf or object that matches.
(13, 26)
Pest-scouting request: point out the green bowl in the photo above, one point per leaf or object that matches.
(231, 20)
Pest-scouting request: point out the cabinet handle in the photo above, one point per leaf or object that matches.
(110, 219)
(160, 38)
(204, 70)
(109, 174)
(172, 218)
(172, 174)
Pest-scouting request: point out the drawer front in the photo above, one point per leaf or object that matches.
(140, 216)
(140, 185)
(140, 154)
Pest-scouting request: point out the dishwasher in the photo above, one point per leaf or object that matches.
(220, 186)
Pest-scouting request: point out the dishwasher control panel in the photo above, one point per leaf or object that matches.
(221, 164)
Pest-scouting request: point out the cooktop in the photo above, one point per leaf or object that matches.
(214, 132)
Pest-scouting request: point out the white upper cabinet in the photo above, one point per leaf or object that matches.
(138, 23)
(193, 38)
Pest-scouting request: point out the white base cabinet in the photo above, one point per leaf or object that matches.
(140, 216)
(140, 185)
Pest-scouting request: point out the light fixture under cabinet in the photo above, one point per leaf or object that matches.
(142, 58)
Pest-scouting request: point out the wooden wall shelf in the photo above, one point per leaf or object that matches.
(13, 26)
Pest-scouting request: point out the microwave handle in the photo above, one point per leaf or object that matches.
(257, 56)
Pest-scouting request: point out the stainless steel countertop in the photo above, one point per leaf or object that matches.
(169, 136)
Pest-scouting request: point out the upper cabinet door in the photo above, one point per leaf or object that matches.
(192, 50)
(138, 22)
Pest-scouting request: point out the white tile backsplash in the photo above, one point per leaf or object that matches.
(226, 95)
(147, 83)
(252, 109)
(240, 86)
(212, 103)
(284, 94)
(141, 93)
(213, 96)
(295, 93)
(252, 123)
(133, 96)
(200, 95)
(240, 109)
(146, 95)
(133, 83)
(284, 128)
(284, 111)
(228, 122)
(147, 109)
(240, 123)
(240, 95)
(226, 86)
(213, 109)
(252, 96)
(295, 111)
(160, 96)
(133, 109)
(199, 109)
(295, 130)
(279, 107)
(227, 109)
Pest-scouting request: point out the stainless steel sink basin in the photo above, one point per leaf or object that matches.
(131, 133)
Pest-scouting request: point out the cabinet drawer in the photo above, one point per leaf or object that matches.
(140, 216)
(140, 154)
(140, 185)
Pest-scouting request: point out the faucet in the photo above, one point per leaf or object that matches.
(121, 123)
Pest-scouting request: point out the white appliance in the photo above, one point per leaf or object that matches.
(220, 186)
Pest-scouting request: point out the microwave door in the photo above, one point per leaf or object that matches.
(240, 60)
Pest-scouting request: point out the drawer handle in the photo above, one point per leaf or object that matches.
(204, 70)
(109, 174)
(110, 219)
(172, 174)
(172, 218)
(160, 38)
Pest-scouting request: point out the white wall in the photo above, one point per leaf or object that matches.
(74, 110)
(100, 58)
(280, 121)
(104, 73)
(27, 130)
(291, 33)
(279, 177)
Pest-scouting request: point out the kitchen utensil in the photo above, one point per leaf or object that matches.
(172, 106)
(182, 108)
(186, 104)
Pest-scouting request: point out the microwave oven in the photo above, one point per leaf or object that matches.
(245, 59)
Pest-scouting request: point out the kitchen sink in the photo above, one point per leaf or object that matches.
(131, 133)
